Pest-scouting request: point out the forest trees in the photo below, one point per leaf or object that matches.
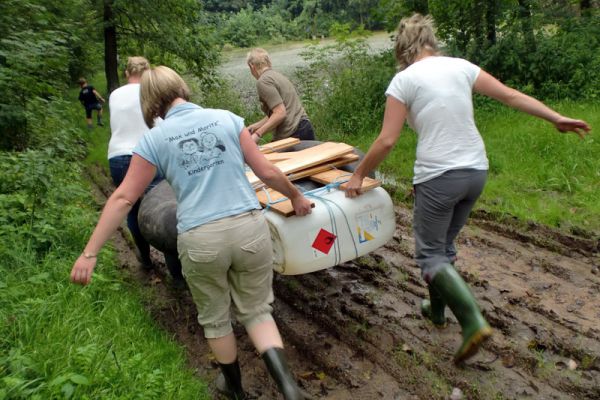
(548, 47)
(45, 45)
(174, 32)
(42, 46)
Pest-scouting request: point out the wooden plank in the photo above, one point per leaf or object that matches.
(278, 145)
(337, 175)
(284, 208)
(308, 158)
(277, 157)
(331, 164)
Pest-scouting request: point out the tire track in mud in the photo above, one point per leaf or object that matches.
(354, 331)
(354, 378)
(543, 305)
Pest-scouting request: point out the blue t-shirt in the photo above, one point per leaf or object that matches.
(198, 151)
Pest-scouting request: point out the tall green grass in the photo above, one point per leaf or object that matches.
(59, 340)
(536, 173)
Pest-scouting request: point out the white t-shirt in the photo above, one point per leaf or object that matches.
(127, 124)
(438, 94)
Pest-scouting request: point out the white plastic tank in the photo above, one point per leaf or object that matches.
(339, 229)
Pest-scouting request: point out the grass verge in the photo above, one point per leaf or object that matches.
(536, 173)
(59, 340)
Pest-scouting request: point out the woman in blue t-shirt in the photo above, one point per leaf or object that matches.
(434, 93)
(223, 239)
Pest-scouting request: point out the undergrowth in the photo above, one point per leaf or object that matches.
(59, 340)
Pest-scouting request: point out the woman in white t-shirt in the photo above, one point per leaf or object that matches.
(127, 127)
(434, 93)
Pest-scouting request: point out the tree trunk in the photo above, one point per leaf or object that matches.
(110, 48)
(490, 20)
(478, 15)
(527, 25)
(585, 7)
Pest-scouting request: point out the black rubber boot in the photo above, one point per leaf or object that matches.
(455, 292)
(433, 308)
(279, 370)
(174, 267)
(232, 387)
(143, 255)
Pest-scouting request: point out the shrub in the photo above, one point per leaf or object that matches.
(343, 87)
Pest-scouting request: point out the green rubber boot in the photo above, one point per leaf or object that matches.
(455, 292)
(433, 308)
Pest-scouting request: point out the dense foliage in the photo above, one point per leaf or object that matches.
(549, 48)
(45, 46)
(29, 78)
(62, 341)
(172, 32)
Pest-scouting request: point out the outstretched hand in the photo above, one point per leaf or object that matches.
(581, 128)
(82, 270)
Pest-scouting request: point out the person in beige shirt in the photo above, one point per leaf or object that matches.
(279, 101)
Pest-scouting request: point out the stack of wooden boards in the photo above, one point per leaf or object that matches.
(318, 163)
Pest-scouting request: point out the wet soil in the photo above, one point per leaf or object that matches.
(354, 331)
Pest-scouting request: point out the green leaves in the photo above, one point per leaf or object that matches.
(37, 43)
(171, 32)
(68, 382)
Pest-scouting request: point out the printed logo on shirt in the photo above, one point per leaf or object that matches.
(200, 154)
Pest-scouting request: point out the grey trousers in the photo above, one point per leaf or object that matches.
(442, 206)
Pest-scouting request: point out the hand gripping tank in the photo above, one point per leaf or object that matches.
(339, 229)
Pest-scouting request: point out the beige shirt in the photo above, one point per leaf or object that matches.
(273, 89)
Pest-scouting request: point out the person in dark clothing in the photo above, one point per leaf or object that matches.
(91, 100)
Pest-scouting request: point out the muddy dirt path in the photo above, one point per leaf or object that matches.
(354, 331)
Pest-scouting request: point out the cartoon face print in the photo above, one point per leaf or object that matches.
(190, 157)
(189, 146)
(212, 147)
(209, 141)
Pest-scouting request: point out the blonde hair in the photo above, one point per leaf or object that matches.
(136, 66)
(159, 87)
(414, 34)
(259, 58)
